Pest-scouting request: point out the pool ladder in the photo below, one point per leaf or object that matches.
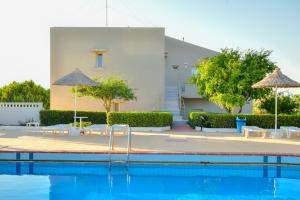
(119, 127)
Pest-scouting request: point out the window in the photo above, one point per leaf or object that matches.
(99, 61)
(116, 107)
(194, 71)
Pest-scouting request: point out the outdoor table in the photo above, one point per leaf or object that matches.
(80, 121)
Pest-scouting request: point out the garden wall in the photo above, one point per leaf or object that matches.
(19, 113)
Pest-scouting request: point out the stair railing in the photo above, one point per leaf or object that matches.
(180, 101)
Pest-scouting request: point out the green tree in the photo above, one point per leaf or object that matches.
(296, 98)
(26, 91)
(109, 90)
(285, 104)
(255, 66)
(226, 78)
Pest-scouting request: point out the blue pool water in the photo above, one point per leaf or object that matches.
(38, 181)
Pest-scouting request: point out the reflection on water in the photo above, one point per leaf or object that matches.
(95, 181)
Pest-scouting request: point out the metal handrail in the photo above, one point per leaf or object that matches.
(182, 106)
(129, 140)
(181, 101)
(112, 138)
(179, 95)
(128, 143)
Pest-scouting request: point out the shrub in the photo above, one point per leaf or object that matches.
(52, 117)
(84, 124)
(141, 119)
(286, 104)
(228, 120)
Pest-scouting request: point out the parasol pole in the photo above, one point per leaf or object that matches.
(275, 109)
(75, 105)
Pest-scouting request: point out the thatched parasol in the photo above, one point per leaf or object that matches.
(276, 80)
(75, 78)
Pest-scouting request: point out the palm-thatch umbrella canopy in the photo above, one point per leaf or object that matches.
(276, 80)
(75, 78)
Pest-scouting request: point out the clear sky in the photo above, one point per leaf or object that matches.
(214, 24)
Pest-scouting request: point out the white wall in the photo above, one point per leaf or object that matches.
(185, 55)
(132, 54)
(16, 113)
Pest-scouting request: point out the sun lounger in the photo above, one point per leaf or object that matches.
(243, 129)
(255, 131)
(102, 128)
(56, 129)
(34, 124)
(290, 131)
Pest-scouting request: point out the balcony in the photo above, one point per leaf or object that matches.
(189, 91)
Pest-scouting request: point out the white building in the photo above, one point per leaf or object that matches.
(157, 66)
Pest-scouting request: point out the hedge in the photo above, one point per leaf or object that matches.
(52, 117)
(141, 119)
(228, 120)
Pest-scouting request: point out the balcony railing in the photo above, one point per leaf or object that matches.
(189, 90)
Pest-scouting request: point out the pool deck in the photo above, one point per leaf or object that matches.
(188, 142)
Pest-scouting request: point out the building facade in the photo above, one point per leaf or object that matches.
(155, 65)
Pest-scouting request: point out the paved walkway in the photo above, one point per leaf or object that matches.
(173, 141)
(182, 127)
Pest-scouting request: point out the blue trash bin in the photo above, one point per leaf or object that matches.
(240, 122)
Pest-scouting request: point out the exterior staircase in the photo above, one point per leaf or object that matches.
(172, 102)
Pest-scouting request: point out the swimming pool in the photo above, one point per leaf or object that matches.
(87, 181)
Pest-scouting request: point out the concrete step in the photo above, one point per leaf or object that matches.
(171, 87)
(172, 97)
(172, 104)
(170, 101)
(172, 109)
(180, 122)
(171, 92)
(177, 118)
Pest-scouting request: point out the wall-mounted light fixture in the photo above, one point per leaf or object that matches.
(176, 67)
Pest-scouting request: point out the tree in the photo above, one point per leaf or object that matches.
(255, 66)
(285, 104)
(26, 91)
(109, 90)
(296, 98)
(226, 79)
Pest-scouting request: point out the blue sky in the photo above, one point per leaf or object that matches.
(214, 24)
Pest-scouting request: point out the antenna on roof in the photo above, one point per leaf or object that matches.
(106, 14)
